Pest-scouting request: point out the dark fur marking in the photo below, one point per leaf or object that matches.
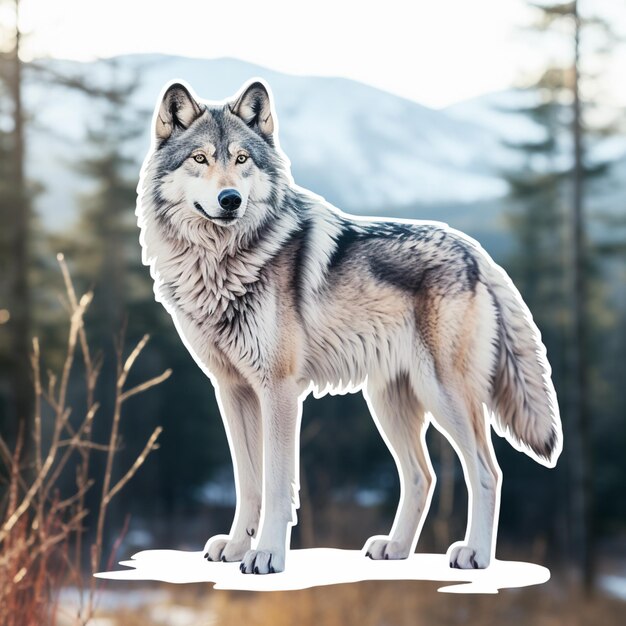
(345, 241)
(298, 275)
(417, 271)
(549, 445)
(402, 277)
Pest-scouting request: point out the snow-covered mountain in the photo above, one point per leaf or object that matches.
(363, 149)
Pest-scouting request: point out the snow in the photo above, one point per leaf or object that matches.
(358, 146)
(327, 566)
(500, 113)
(364, 150)
(614, 585)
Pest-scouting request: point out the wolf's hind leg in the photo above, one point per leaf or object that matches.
(242, 417)
(468, 428)
(400, 419)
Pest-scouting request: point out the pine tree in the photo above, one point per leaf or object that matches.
(557, 269)
(16, 205)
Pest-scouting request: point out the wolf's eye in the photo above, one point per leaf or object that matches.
(199, 158)
(242, 158)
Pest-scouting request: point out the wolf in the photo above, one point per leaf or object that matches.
(277, 294)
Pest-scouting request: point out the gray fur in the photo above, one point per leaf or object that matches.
(290, 296)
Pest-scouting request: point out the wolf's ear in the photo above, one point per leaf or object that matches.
(177, 111)
(254, 107)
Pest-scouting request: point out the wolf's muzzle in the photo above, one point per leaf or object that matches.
(229, 199)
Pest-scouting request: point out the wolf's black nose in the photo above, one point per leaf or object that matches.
(229, 199)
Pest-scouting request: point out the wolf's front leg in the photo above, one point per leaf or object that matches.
(281, 412)
(241, 412)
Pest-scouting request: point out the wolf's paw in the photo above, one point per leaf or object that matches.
(466, 557)
(222, 548)
(262, 562)
(382, 548)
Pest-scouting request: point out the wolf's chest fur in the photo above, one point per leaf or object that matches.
(202, 284)
(221, 297)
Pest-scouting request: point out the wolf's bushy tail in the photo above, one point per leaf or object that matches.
(523, 398)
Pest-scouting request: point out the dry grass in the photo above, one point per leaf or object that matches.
(41, 531)
(415, 604)
(372, 603)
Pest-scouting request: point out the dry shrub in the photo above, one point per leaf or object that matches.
(41, 532)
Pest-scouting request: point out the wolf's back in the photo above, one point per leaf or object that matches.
(524, 401)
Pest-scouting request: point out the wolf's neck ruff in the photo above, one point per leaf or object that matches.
(206, 269)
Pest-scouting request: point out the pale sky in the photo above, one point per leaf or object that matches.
(436, 52)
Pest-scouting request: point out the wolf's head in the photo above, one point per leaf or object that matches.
(214, 166)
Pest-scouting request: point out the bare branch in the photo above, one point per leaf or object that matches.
(139, 461)
(34, 488)
(144, 386)
(132, 357)
(69, 501)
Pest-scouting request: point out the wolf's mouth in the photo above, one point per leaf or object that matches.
(225, 220)
(199, 208)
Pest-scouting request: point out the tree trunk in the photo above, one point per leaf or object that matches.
(583, 487)
(446, 499)
(20, 218)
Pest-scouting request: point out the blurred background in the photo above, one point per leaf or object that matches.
(505, 119)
